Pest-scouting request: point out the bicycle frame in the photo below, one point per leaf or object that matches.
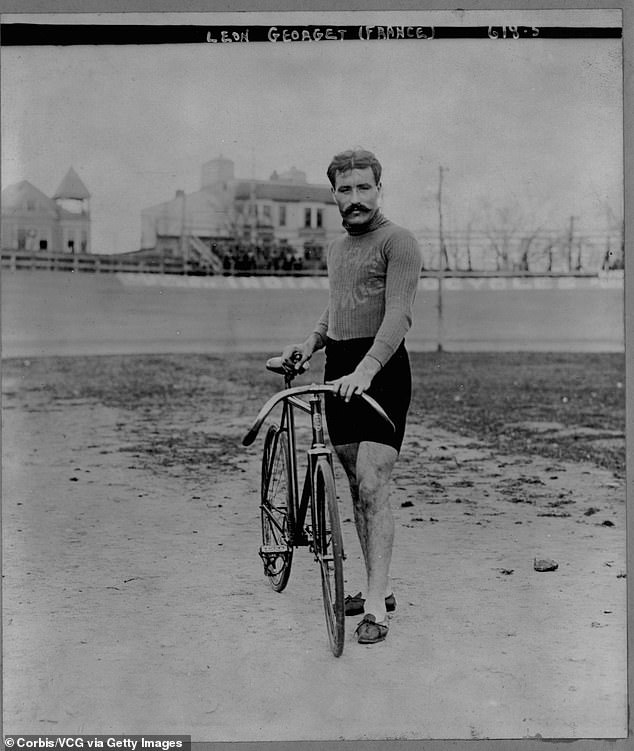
(289, 398)
(313, 407)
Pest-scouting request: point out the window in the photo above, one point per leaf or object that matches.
(71, 246)
(307, 213)
(266, 212)
(43, 244)
(30, 205)
(84, 241)
(282, 216)
(320, 217)
(31, 239)
(21, 239)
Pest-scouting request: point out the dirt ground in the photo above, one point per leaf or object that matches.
(134, 600)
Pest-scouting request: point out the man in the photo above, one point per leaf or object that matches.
(373, 273)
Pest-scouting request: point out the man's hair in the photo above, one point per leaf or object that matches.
(356, 158)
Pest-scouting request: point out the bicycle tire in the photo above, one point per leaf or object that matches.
(328, 543)
(276, 551)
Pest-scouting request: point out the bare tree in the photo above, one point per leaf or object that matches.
(526, 243)
(502, 227)
(468, 246)
(455, 253)
(549, 256)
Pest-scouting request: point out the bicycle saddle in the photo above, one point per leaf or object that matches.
(274, 364)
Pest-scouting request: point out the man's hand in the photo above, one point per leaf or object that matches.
(296, 355)
(359, 381)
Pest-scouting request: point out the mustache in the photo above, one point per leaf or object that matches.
(356, 207)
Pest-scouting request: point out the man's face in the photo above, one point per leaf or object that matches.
(357, 195)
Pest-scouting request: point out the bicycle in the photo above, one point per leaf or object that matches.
(290, 520)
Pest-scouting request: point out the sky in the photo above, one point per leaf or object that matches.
(531, 126)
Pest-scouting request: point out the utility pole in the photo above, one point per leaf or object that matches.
(579, 263)
(443, 263)
(183, 233)
(443, 257)
(253, 210)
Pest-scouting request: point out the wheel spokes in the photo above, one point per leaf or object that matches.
(276, 551)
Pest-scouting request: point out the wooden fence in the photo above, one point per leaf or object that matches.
(15, 260)
(97, 264)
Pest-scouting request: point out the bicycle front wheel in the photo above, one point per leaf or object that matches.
(328, 545)
(275, 507)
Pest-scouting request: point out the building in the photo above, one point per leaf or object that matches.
(33, 221)
(284, 210)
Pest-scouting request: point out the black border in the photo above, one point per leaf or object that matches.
(250, 6)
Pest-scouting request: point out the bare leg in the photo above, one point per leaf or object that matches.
(348, 457)
(369, 467)
(375, 462)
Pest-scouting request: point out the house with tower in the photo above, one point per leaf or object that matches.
(34, 222)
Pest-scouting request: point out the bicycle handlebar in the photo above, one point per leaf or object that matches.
(296, 391)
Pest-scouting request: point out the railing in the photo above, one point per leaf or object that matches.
(111, 264)
(97, 264)
(205, 253)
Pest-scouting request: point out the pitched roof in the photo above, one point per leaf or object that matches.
(287, 192)
(200, 199)
(14, 198)
(72, 187)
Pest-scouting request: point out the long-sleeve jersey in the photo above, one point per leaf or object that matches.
(373, 277)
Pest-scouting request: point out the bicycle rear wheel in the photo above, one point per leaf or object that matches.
(275, 509)
(328, 545)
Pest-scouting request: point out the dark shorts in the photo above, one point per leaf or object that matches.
(356, 421)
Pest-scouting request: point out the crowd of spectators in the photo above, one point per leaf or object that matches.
(246, 258)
